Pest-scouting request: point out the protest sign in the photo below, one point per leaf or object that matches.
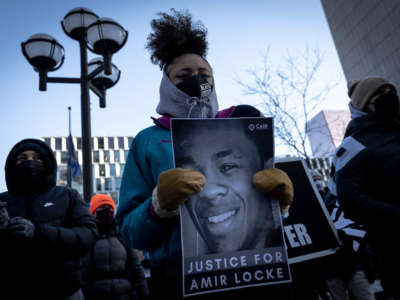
(309, 230)
(231, 233)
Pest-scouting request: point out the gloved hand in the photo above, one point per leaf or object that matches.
(3, 215)
(21, 227)
(276, 183)
(173, 188)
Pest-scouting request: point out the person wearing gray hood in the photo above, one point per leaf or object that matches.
(45, 229)
(152, 189)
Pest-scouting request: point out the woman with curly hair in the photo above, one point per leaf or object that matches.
(152, 189)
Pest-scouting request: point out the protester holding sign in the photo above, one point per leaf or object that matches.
(152, 190)
(367, 172)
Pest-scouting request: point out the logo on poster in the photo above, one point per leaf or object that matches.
(253, 127)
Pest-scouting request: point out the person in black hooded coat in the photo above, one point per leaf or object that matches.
(367, 172)
(45, 229)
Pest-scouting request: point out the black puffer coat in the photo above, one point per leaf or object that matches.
(368, 176)
(46, 266)
(112, 271)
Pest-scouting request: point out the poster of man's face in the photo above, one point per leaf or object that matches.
(229, 214)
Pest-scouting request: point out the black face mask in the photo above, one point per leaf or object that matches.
(387, 106)
(195, 86)
(105, 216)
(198, 88)
(30, 176)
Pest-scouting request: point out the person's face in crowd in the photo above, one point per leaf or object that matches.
(229, 210)
(30, 172)
(318, 182)
(188, 65)
(105, 214)
(29, 155)
(316, 178)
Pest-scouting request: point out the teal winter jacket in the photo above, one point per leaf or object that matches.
(150, 154)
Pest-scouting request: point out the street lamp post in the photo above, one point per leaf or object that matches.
(102, 36)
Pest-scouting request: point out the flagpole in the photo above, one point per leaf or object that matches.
(69, 119)
(69, 171)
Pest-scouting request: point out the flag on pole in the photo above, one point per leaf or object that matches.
(73, 168)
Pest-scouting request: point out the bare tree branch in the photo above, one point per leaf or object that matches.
(291, 94)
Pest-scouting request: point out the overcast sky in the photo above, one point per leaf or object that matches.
(239, 32)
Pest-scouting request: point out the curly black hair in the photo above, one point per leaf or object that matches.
(175, 34)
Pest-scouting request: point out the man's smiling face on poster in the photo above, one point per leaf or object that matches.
(226, 212)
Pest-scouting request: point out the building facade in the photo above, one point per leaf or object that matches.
(366, 34)
(326, 131)
(109, 155)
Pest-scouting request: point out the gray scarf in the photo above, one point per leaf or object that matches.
(177, 104)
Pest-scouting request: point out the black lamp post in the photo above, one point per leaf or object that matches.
(100, 35)
(101, 82)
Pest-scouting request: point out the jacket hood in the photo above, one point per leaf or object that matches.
(175, 103)
(30, 144)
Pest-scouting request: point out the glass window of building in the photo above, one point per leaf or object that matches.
(100, 142)
(96, 156)
(64, 157)
(117, 181)
(102, 170)
(130, 139)
(107, 184)
(121, 167)
(120, 142)
(112, 170)
(106, 156)
(78, 143)
(47, 141)
(126, 154)
(62, 175)
(111, 143)
(116, 156)
(114, 195)
(98, 184)
(58, 143)
(314, 164)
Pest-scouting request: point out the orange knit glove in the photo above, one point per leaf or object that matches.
(173, 188)
(277, 183)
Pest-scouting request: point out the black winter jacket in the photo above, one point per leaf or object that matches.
(368, 177)
(46, 266)
(112, 271)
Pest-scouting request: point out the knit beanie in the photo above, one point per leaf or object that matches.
(99, 200)
(360, 91)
